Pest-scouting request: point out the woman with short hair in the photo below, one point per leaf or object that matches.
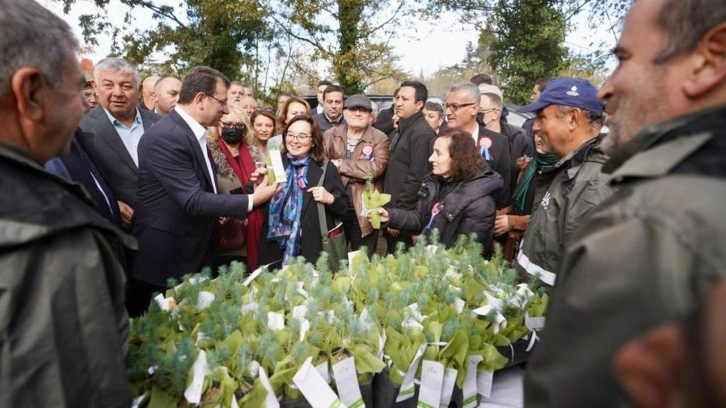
(455, 198)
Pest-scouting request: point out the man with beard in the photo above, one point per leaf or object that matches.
(410, 147)
(649, 254)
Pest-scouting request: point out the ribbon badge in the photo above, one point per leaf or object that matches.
(435, 210)
(368, 152)
(485, 143)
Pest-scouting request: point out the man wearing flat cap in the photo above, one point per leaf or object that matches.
(569, 119)
(360, 151)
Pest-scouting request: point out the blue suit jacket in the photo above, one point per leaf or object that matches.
(176, 207)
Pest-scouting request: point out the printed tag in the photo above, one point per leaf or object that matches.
(447, 389)
(314, 388)
(324, 371)
(253, 275)
(484, 381)
(204, 300)
(277, 166)
(407, 386)
(275, 321)
(432, 381)
(459, 304)
(469, 390)
(200, 369)
(534, 323)
(270, 400)
(346, 382)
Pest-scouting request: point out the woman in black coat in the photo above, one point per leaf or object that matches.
(456, 198)
(291, 226)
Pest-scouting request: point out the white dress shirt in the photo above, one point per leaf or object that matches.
(200, 133)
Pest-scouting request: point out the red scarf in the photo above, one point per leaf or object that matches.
(243, 170)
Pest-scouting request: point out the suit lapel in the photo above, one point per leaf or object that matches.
(196, 149)
(110, 136)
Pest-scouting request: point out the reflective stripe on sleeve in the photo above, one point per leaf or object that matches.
(534, 269)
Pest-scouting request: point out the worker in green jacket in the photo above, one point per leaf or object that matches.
(649, 254)
(569, 120)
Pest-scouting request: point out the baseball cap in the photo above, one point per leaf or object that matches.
(358, 101)
(576, 92)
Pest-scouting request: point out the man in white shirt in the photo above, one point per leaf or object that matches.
(178, 204)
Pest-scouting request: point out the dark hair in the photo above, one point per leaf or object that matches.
(434, 107)
(542, 83)
(324, 82)
(262, 112)
(685, 22)
(421, 92)
(331, 89)
(317, 153)
(479, 79)
(395, 92)
(200, 79)
(466, 159)
(282, 117)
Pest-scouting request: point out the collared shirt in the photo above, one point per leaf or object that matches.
(475, 134)
(332, 122)
(200, 133)
(130, 136)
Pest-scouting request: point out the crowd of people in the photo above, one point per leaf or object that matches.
(113, 185)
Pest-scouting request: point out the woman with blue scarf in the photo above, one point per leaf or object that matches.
(535, 177)
(291, 227)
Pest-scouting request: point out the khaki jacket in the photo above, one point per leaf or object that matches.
(361, 166)
(578, 187)
(645, 257)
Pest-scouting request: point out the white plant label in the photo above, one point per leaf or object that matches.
(314, 388)
(346, 382)
(432, 381)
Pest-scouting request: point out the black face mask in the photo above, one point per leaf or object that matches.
(232, 135)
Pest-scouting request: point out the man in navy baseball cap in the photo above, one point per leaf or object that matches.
(575, 92)
(569, 119)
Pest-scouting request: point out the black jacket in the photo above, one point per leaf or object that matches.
(409, 160)
(499, 161)
(519, 145)
(63, 322)
(310, 246)
(467, 207)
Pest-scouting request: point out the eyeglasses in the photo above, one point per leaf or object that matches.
(264, 109)
(299, 137)
(221, 102)
(236, 126)
(455, 106)
(485, 111)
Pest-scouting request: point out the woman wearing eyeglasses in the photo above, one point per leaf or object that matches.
(232, 147)
(291, 227)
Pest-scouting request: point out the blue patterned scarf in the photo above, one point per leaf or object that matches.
(286, 208)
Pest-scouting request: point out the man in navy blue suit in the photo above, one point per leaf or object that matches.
(177, 202)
